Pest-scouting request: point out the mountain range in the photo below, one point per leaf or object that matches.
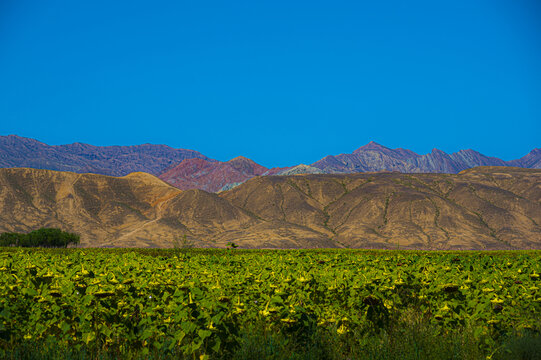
(189, 169)
(479, 208)
(16, 151)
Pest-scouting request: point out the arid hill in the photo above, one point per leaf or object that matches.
(138, 210)
(480, 208)
(485, 207)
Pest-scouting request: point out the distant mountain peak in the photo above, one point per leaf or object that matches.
(212, 176)
(437, 151)
(241, 159)
(372, 145)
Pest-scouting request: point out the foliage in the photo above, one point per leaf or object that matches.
(44, 237)
(200, 303)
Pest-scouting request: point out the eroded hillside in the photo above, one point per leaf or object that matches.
(480, 208)
(485, 207)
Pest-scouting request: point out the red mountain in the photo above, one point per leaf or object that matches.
(212, 176)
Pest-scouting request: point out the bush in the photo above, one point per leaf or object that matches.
(44, 237)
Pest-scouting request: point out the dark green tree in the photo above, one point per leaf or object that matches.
(44, 237)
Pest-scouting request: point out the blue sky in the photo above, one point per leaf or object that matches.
(281, 82)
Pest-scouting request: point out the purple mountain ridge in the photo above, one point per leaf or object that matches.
(165, 162)
(376, 157)
(16, 151)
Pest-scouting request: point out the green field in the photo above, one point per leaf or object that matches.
(197, 304)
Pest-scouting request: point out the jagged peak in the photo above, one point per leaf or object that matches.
(438, 151)
(372, 145)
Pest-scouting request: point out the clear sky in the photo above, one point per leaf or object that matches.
(281, 82)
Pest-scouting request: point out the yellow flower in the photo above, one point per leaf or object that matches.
(341, 330)
(288, 320)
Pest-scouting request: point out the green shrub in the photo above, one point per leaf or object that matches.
(44, 237)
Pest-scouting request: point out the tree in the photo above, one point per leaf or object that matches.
(44, 237)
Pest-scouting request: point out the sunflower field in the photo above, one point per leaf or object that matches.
(195, 303)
